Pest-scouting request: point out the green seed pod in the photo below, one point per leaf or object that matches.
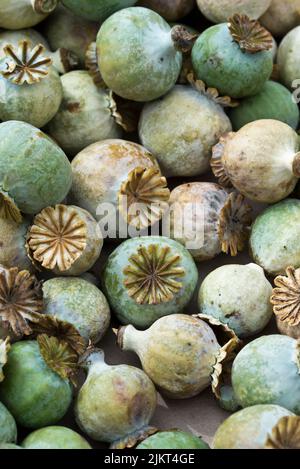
(30, 187)
(12, 240)
(139, 55)
(9, 446)
(55, 438)
(267, 371)
(237, 295)
(181, 128)
(18, 14)
(259, 427)
(288, 59)
(274, 237)
(281, 16)
(171, 10)
(180, 353)
(218, 11)
(116, 403)
(35, 395)
(64, 297)
(146, 278)
(261, 160)
(96, 10)
(8, 427)
(273, 102)
(30, 90)
(173, 439)
(230, 59)
(84, 105)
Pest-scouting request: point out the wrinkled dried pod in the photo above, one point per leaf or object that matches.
(149, 277)
(237, 295)
(173, 439)
(8, 427)
(208, 220)
(80, 303)
(235, 57)
(181, 128)
(281, 16)
(96, 10)
(171, 10)
(288, 58)
(259, 427)
(123, 177)
(64, 239)
(274, 239)
(18, 14)
(87, 114)
(116, 403)
(261, 160)
(286, 302)
(179, 352)
(30, 89)
(12, 239)
(267, 371)
(55, 438)
(218, 11)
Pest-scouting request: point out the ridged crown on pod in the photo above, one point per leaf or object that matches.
(285, 434)
(249, 34)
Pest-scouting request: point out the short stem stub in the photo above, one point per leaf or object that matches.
(183, 40)
(128, 338)
(44, 6)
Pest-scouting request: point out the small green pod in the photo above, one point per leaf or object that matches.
(173, 439)
(55, 438)
(18, 14)
(8, 427)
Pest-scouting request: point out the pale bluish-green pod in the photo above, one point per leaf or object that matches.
(13, 252)
(237, 295)
(173, 439)
(116, 403)
(171, 10)
(18, 14)
(181, 128)
(267, 371)
(97, 10)
(138, 54)
(55, 437)
(218, 11)
(146, 278)
(259, 427)
(8, 427)
(288, 57)
(281, 16)
(9, 446)
(87, 114)
(274, 239)
(65, 297)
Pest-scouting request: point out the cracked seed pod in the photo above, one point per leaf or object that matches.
(281, 17)
(267, 371)
(155, 69)
(18, 14)
(149, 277)
(235, 57)
(8, 427)
(123, 175)
(261, 160)
(30, 187)
(12, 243)
(179, 352)
(288, 60)
(259, 427)
(171, 10)
(87, 114)
(237, 295)
(181, 128)
(55, 438)
(286, 302)
(64, 239)
(97, 10)
(64, 297)
(173, 439)
(116, 403)
(208, 220)
(274, 237)
(38, 94)
(35, 394)
(218, 11)
(20, 300)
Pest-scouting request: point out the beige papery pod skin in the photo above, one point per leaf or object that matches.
(281, 16)
(218, 11)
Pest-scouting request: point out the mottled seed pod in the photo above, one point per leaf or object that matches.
(281, 16)
(171, 10)
(116, 403)
(181, 354)
(173, 439)
(218, 11)
(96, 11)
(261, 160)
(259, 427)
(12, 241)
(8, 427)
(55, 438)
(18, 14)
(208, 220)
(288, 56)
(146, 278)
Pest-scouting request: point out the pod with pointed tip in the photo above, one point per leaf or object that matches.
(55, 438)
(218, 11)
(96, 10)
(18, 14)
(173, 439)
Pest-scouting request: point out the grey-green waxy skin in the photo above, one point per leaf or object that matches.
(34, 171)
(34, 394)
(180, 130)
(249, 428)
(267, 371)
(173, 439)
(274, 240)
(85, 115)
(80, 303)
(12, 242)
(55, 437)
(97, 10)
(220, 63)
(237, 295)
(8, 427)
(18, 14)
(126, 308)
(138, 61)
